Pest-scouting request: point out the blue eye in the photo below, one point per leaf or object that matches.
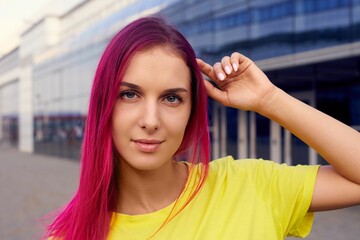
(128, 95)
(172, 99)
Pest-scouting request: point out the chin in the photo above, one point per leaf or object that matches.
(147, 163)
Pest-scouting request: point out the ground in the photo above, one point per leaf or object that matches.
(33, 185)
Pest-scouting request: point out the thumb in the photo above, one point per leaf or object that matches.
(215, 93)
(206, 69)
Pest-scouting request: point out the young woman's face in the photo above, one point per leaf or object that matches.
(152, 110)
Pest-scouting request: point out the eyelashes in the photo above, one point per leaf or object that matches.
(173, 98)
(133, 96)
(128, 95)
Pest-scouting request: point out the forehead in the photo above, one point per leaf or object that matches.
(159, 65)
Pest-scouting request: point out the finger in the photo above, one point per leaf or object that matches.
(226, 64)
(234, 59)
(241, 61)
(219, 72)
(206, 69)
(215, 93)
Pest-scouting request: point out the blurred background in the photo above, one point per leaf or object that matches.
(309, 48)
(49, 51)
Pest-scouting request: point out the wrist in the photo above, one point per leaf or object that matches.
(270, 103)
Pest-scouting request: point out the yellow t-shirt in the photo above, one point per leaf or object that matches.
(242, 199)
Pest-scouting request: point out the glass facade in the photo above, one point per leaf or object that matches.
(9, 112)
(232, 130)
(264, 29)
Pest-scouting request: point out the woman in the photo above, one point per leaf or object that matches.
(145, 159)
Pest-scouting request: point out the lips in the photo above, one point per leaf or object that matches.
(147, 145)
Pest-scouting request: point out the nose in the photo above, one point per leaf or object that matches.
(150, 121)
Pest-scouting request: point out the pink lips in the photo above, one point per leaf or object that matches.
(147, 145)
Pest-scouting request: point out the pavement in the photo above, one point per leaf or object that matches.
(33, 185)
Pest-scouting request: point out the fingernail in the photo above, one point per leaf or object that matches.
(227, 69)
(221, 76)
(235, 67)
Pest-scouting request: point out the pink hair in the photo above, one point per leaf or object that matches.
(88, 214)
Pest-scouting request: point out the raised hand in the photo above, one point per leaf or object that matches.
(241, 83)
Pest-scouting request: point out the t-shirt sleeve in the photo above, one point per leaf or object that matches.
(289, 191)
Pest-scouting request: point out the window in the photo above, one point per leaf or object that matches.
(311, 6)
(275, 11)
(344, 2)
(205, 26)
(233, 20)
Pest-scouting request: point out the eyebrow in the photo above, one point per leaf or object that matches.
(130, 85)
(136, 87)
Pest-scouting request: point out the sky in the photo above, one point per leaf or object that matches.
(18, 15)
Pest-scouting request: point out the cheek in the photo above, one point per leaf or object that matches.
(115, 120)
(119, 123)
(177, 123)
(115, 130)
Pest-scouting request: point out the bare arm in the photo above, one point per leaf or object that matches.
(248, 88)
(336, 186)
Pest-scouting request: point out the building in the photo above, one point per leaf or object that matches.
(309, 48)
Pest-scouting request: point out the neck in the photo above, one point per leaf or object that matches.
(142, 192)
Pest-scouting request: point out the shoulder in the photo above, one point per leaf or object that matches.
(240, 165)
(259, 170)
(228, 169)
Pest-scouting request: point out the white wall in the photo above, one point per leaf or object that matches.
(9, 75)
(25, 110)
(88, 14)
(41, 37)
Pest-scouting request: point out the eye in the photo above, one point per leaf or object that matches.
(173, 99)
(128, 95)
